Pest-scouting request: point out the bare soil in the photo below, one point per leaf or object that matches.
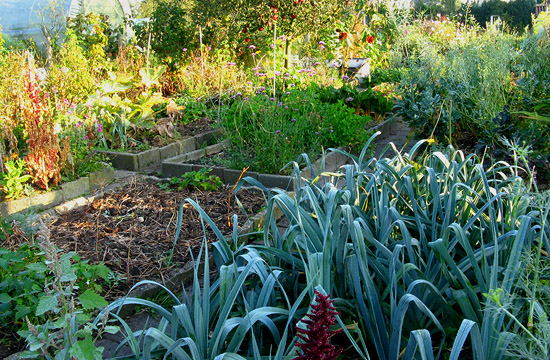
(132, 230)
(197, 126)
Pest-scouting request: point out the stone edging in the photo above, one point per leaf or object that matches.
(385, 127)
(154, 156)
(176, 166)
(68, 191)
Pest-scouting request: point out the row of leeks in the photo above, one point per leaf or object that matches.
(424, 258)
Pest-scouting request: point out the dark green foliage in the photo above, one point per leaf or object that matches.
(379, 76)
(426, 107)
(21, 285)
(95, 35)
(434, 7)
(23, 275)
(172, 30)
(365, 101)
(266, 136)
(5, 229)
(266, 133)
(516, 13)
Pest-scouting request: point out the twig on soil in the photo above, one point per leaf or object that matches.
(229, 196)
(129, 251)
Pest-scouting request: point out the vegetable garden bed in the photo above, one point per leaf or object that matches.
(206, 159)
(153, 157)
(132, 230)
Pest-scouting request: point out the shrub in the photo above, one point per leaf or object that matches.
(516, 13)
(172, 29)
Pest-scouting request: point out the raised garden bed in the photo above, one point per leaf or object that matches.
(178, 165)
(153, 157)
(132, 229)
(67, 191)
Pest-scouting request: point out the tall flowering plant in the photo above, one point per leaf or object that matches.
(42, 143)
(316, 336)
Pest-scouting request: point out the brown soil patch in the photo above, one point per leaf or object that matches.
(132, 230)
(197, 126)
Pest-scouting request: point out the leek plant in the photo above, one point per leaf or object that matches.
(409, 249)
(218, 318)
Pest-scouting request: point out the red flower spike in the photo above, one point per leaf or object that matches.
(370, 39)
(316, 337)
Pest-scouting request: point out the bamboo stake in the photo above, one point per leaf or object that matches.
(274, 58)
(202, 57)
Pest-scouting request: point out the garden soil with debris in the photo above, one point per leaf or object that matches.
(132, 230)
(197, 126)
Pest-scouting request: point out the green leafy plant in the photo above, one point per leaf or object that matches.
(21, 285)
(124, 118)
(5, 230)
(96, 37)
(365, 101)
(23, 273)
(13, 181)
(66, 311)
(197, 180)
(169, 42)
(267, 132)
(457, 84)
